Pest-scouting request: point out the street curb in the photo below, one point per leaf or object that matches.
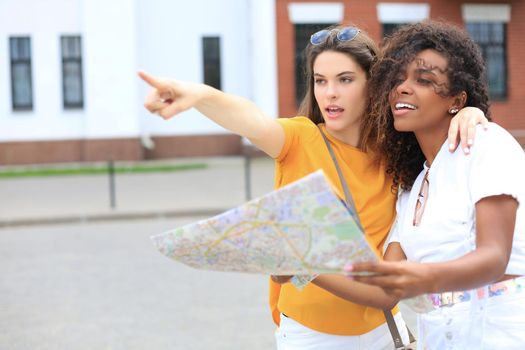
(106, 217)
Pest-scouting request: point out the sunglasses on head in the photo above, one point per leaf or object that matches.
(343, 34)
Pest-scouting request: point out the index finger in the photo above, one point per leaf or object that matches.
(453, 135)
(151, 80)
(373, 268)
(362, 269)
(382, 281)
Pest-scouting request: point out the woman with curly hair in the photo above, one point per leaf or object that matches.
(460, 231)
(339, 60)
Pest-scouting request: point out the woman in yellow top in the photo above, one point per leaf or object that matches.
(339, 60)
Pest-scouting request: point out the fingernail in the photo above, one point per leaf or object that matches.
(470, 142)
(451, 146)
(466, 150)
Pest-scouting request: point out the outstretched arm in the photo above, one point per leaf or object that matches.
(239, 115)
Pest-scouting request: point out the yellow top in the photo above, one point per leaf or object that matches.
(304, 151)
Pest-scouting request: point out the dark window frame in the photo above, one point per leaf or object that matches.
(17, 62)
(211, 61)
(302, 33)
(389, 28)
(72, 59)
(475, 30)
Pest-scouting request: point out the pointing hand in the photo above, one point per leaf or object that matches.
(170, 97)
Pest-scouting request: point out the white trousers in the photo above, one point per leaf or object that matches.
(291, 335)
(479, 324)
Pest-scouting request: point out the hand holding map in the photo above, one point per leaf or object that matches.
(300, 229)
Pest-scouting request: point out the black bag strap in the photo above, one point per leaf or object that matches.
(392, 326)
(349, 201)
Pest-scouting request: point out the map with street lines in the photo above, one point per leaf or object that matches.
(300, 229)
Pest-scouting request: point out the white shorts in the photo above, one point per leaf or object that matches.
(495, 322)
(291, 335)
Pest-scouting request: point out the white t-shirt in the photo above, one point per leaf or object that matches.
(447, 229)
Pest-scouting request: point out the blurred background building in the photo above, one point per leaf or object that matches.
(69, 90)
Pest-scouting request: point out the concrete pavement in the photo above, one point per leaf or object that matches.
(62, 199)
(103, 285)
(93, 280)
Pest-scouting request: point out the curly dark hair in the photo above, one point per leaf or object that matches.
(466, 72)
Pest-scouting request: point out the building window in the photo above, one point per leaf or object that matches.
(211, 52)
(390, 28)
(21, 85)
(72, 87)
(303, 32)
(491, 38)
(395, 15)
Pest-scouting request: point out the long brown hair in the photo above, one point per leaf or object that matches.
(362, 49)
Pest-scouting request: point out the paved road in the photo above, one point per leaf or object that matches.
(104, 286)
(219, 186)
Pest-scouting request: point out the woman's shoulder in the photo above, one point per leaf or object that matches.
(497, 139)
(299, 126)
(494, 132)
(298, 121)
(496, 164)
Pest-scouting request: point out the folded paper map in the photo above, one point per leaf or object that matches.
(300, 229)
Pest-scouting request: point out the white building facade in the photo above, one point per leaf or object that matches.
(69, 89)
(92, 109)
